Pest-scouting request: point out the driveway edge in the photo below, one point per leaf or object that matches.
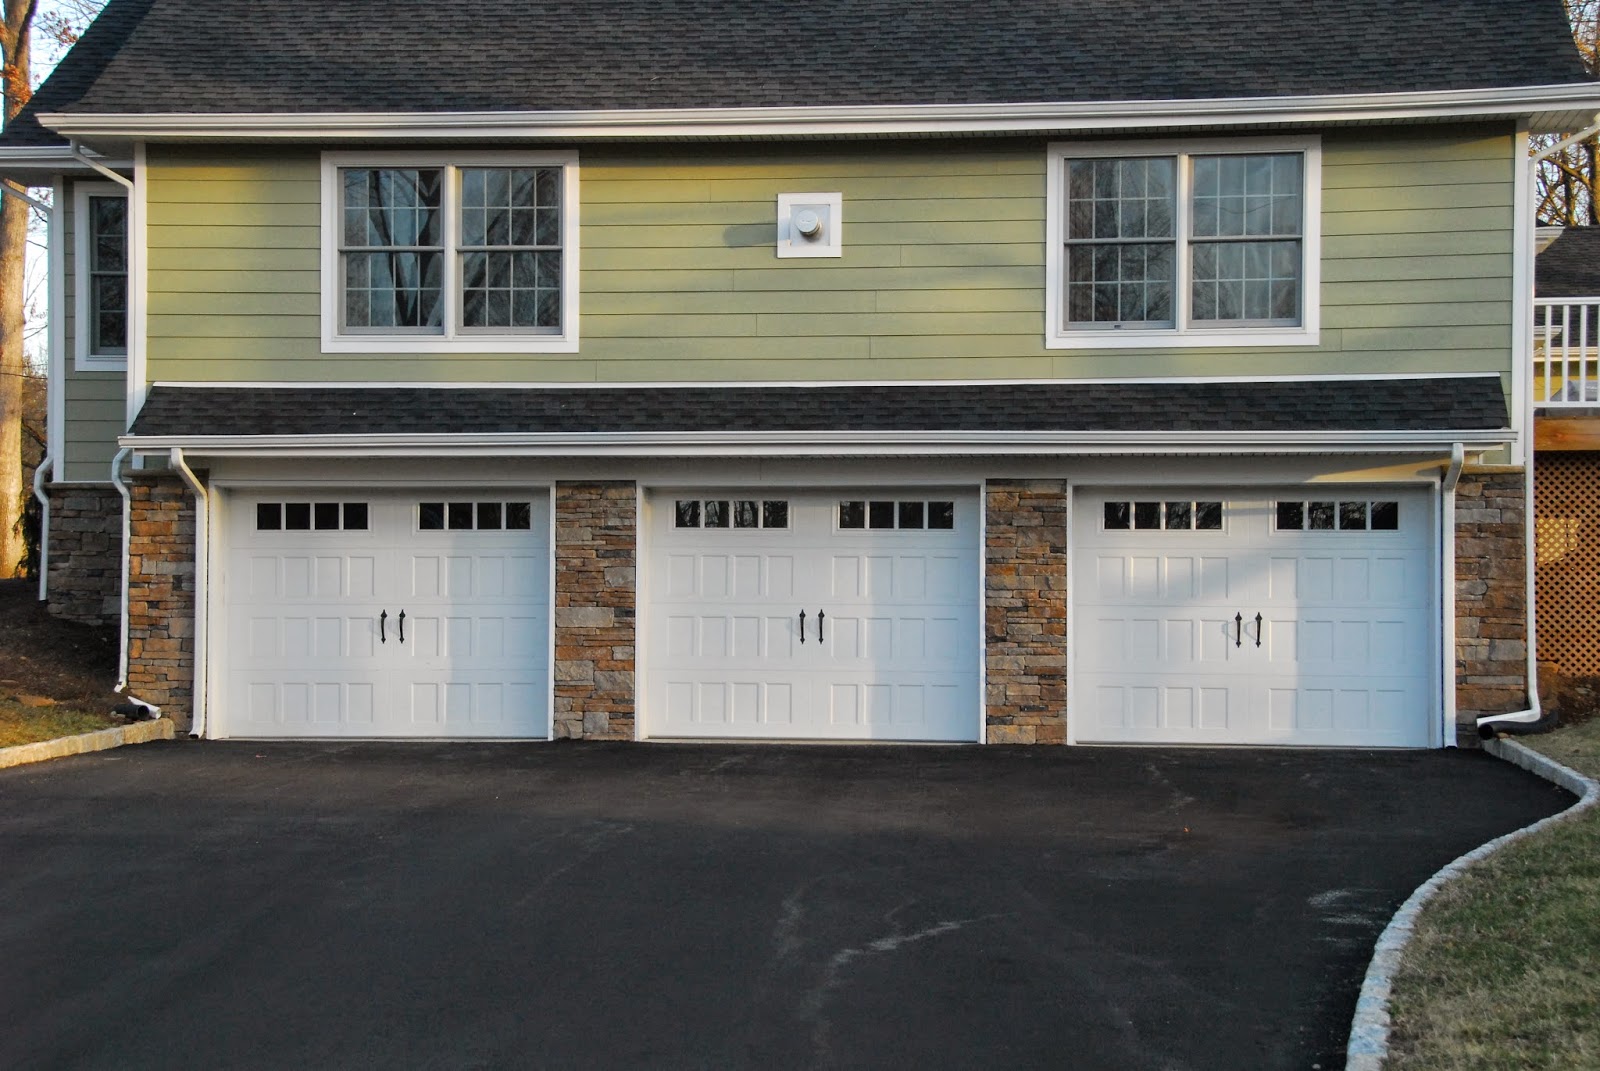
(139, 732)
(1369, 1029)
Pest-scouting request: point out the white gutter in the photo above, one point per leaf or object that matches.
(833, 120)
(823, 443)
(127, 534)
(40, 474)
(202, 552)
(1534, 712)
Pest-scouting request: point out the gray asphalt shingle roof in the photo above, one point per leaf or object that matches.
(1456, 404)
(169, 56)
(1570, 265)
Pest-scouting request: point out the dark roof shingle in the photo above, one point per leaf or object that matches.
(173, 56)
(1452, 404)
(1570, 265)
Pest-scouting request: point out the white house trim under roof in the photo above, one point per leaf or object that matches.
(1554, 107)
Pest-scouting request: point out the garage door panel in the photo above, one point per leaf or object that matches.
(303, 647)
(890, 625)
(1343, 651)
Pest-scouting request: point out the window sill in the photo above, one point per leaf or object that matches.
(88, 362)
(1168, 339)
(445, 345)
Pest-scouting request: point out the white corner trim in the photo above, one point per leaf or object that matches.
(138, 285)
(1184, 334)
(56, 381)
(451, 338)
(83, 359)
(1368, 1047)
(844, 120)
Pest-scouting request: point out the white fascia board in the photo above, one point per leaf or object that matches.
(1578, 100)
(816, 444)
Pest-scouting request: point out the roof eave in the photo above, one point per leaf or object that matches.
(37, 165)
(1547, 108)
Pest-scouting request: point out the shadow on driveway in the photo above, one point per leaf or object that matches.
(250, 905)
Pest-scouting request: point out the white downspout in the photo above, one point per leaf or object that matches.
(127, 533)
(1534, 712)
(1447, 574)
(202, 550)
(40, 474)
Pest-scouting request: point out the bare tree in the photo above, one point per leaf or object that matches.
(1565, 183)
(59, 24)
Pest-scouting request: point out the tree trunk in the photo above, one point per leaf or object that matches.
(14, 42)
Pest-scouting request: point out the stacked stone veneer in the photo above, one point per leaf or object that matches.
(1491, 594)
(596, 573)
(85, 582)
(1025, 611)
(161, 581)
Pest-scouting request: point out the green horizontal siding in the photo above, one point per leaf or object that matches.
(942, 274)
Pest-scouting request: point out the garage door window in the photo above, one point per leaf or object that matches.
(745, 513)
(1163, 516)
(889, 514)
(1339, 516)
(474, 516)
(311, 516)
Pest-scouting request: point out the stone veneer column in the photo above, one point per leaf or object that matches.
(85, 567)
(161, 580)
(1025, 611)
(596, 571)
(1491, 594)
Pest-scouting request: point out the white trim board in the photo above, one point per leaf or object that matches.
(1560, 106)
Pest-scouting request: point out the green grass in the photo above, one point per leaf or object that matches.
(1504, 971)
(27, 725)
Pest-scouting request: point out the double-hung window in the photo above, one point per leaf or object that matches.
(1204, 243)
(100, 276)
(431, 252)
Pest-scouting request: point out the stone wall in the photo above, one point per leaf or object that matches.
(596, 555)
(85, 582)
(1025, 611)
(161, 579)
(1491, 594)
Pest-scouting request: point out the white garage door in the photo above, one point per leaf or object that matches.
(848, 616)
(384, 615)
(1305, 617)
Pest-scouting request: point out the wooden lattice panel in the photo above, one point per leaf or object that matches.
(1567, 535)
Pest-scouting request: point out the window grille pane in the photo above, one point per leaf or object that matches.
(1386, 516)
(1291, 516)
(458, 516)
(687, 513)
(1128, 282)
(745, 514)
(911, 514)
(489, 515)
(355, 516)
(1147, 515)
(852, 515)
(1208, 516)
(775, 514)
(325, 516)
(1119, 516)
(880, 515)
(1180, 514)
(1352, 516)
(430, 516)
(297, 516)
(716, 514)
(269, 516)
(519, 516)
(942, 515)
(1245, 281)
(1321, 516)
(108, 279)
(393, 290)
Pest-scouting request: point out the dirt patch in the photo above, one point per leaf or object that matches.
(44, 657)
(1575, 699)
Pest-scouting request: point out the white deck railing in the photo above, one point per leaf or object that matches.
(1566, 352)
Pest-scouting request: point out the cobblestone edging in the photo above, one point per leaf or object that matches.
(139, 732)
(1369, 1030)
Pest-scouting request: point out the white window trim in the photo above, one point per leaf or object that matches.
(83, 359)
(1058, 337)
(451, 338)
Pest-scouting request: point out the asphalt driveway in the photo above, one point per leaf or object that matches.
(209, 905)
